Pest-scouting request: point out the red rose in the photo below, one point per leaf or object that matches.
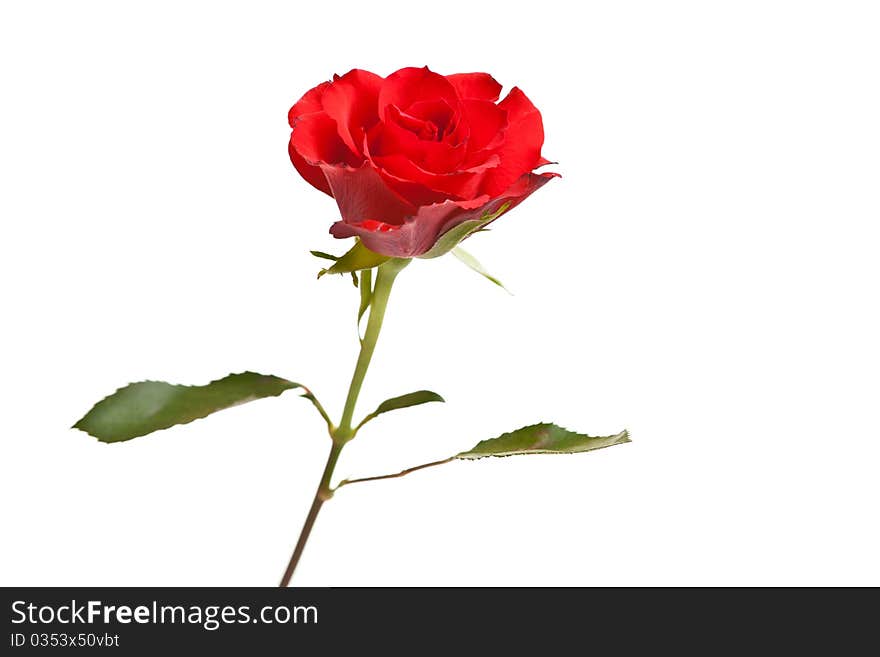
(413, 155)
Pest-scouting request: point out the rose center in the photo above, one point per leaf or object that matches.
(424, 128)
(430, 132)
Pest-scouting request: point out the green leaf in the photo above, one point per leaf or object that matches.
(474, 264)
(535, 439)
(355, 259)
(404, 401)
(147, 406)
(542, 439)
(450, 239)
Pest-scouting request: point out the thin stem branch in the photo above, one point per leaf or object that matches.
(402, 473)
(308, 394)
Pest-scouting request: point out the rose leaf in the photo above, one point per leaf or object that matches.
(147, 406)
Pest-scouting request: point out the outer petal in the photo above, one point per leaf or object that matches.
(362, 195)
(475, 86)
(317, 140)
(520, 151)
(351, 101)
(419, 232)
(312, 174)
(308, 104)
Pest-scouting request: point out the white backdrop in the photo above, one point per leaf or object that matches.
(704, 274)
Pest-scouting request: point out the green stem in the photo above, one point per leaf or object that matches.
(387, 272)
(385, 276)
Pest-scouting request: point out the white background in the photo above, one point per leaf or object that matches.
(704, 274)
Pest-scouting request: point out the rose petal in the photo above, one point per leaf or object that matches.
(351, 101)
(475, 86)
(419, 232)
(486, 121)
(312, 174)
(436, 112)
(520, 151)
(518, 192)
(308, 104)
(316, 139)
(362, 194)
(424, 129)
(412, 238)
(414, 192)
(438, 187)
(394, 136)
(408, 85)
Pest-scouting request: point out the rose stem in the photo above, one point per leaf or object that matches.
(385, 276)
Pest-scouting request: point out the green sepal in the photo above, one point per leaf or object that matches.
(355, 259)
(324, 256)
(474, 264)
(451, 238)
(328, 256)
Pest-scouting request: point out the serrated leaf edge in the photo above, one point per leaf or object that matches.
(293, 385)
(618, 439)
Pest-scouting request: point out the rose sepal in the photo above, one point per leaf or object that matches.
(357, 258)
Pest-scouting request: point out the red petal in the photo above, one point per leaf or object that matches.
(394, 137)
(437, 112)
(309, 103)
(414, 192)
(520, 151)
(312, 174)
(475, 86)
(486, 121)
(437, 187)
(408, 85)
(362, 194)
(352, 102)
(317, 140)
(420, 232)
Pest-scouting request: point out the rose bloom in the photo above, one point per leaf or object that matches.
(410, 156)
